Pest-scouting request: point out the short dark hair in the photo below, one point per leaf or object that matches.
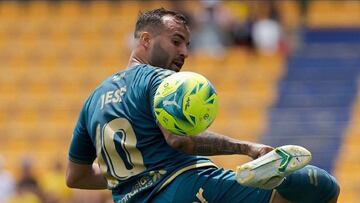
(152, 19)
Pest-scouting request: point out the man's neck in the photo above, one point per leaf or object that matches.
(135, 60)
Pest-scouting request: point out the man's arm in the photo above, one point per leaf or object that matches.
(210, 143)
(84, 176)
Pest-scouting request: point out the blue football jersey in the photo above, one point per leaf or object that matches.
(117, 126)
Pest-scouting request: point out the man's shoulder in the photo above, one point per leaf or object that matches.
(152, 69)
(138, 74)
(147, 73)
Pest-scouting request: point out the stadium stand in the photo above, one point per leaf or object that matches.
(246, 89)
(52, 54)
(316, 97)
(316, 94)
(55, 53)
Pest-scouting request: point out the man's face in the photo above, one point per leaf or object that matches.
(170, 47)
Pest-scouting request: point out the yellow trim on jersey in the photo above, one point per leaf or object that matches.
(177, 173)
(272, 196)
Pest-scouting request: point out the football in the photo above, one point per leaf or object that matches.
(185, 103)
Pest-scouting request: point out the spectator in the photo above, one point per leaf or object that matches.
(267, 31)
(27, 187)
(241, 30)
(53, 184)
(7, 183)
(212, 29)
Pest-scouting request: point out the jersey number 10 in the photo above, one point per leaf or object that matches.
(116, 150)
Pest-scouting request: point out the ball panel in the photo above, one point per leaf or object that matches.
(186, 103)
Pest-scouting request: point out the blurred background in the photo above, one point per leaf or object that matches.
(287, 72)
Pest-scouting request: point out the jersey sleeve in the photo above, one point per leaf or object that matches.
(82, 150)
(159, 75)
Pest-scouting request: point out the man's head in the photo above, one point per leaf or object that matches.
(163, 38)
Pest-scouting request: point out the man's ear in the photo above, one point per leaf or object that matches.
(144, 39)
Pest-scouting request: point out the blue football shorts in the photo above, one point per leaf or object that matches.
(210, 185)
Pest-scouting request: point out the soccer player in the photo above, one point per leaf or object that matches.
(117, 143)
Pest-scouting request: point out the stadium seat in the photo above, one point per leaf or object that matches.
(71, 10)
(39, 10)
(344, 14)
(10, 11)
(347, 163)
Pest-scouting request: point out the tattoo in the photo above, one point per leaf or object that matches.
(209, 143)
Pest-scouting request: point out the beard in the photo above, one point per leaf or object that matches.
(160, 57)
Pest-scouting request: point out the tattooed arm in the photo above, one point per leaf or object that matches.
(210, 143)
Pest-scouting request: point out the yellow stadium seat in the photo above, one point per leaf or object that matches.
(290, 13)
(343, 14)
(11, 10)
(99, 10)
(39, 10)
(127, 12)
(238, 59)
(70, 10)
(230, 162)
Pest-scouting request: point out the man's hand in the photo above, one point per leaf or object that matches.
(256, 150)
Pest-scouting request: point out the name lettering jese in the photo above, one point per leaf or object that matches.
(112, 96)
